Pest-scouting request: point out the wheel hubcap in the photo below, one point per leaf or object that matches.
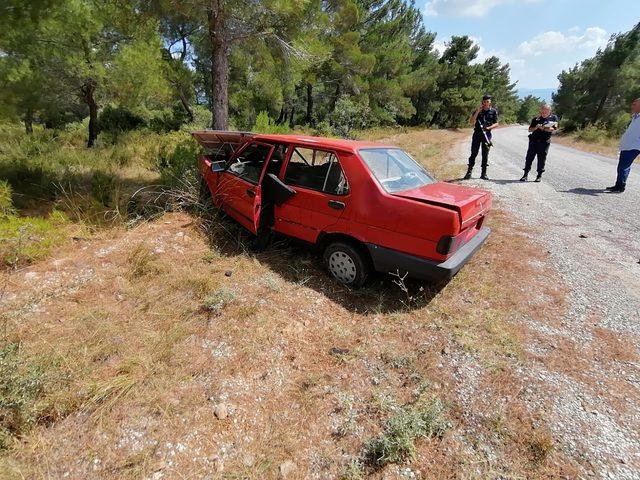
(342, 267)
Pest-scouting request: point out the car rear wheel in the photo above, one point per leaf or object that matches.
(346, 264)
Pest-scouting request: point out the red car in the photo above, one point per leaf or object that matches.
(367, 206)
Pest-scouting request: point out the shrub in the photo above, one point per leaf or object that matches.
(118, 119)
(6, 202)
(348, 116)
(178, 165)
(264, 124)
(619, 124)
(592, 134)
(218, 300)
(104, 188)
(397, 442)
(323, 129)
(168, 119)
(24, 384)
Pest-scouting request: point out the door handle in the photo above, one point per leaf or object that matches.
(336, 205)
(251, 193)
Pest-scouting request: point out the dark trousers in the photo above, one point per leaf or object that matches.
(541, 149)
(476, 141)
(624, 166)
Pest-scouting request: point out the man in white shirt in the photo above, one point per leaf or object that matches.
(629, 149)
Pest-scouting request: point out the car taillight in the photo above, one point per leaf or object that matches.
(445, 244)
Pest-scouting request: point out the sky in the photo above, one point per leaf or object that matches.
(538, 38)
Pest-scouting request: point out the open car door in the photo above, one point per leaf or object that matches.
(239, 191)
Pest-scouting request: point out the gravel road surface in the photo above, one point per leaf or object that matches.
(593, 240)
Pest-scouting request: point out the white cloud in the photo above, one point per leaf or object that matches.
(465, 8)
(483, 53)
(591, 39)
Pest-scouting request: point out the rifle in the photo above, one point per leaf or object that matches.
(487, 140)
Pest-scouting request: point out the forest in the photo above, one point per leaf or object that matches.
(333, 66)
(596, 94)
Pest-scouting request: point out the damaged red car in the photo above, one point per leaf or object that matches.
(366, 206)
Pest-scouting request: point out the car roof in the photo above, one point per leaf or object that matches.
(322, 142)
(212, 139)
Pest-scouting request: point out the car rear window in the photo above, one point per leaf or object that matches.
(394, 169)
(316, 170)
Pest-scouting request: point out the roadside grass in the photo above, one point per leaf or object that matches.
(54, 188)
(146, 331)
(591, 140)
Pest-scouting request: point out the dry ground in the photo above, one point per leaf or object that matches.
(169, 351)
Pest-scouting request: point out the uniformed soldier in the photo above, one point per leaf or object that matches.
(484, 119)
(541, 129)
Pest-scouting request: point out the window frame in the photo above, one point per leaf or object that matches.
(241, 151)
(294, 147)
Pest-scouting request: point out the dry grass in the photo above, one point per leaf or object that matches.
(606, 146)
(152, 336)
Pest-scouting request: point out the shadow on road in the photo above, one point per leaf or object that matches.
(505, 181)
(593, 192)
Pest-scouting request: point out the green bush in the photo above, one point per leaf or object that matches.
(592, 134)
(323, 129)
(6, 202)
(397, 442)
(24, 385)
(118, 119)
(104, 188)
(168, 119)
(264, 124)
(218, 300)
(348, 116)
(567, 125)
(178, 165)
(619, 124)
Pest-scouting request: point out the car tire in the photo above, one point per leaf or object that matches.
(347, 264)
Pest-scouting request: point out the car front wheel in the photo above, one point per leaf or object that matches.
(346, 264)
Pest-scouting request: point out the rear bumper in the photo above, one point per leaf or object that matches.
(386, 260)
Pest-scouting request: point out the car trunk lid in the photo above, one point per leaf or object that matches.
(215, 141)
(470, 203)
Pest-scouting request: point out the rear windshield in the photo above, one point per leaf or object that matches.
(394, 169)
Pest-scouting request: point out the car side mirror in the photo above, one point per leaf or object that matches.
(217, 167)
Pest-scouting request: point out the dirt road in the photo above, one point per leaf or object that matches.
(593, 242)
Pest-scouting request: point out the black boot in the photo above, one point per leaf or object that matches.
(468, 174)
(538, 178)
(525, 177)
(484, 174)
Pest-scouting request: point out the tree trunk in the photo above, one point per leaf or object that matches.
(88, 90)
(596, 116)
(282, 116)
(219, 66)
(186, 105)
(335, 98)
(309, 119)
(293, 110)
(28, 122)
